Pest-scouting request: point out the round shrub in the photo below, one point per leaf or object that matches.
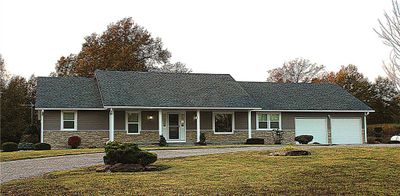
(41, 146)
(74, 141)
(146, 158)
(304, 139)
(9, 146)
(127, 153)
(25, 146)
(163, 141)
(202, 139)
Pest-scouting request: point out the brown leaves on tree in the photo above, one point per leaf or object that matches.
(124, 46)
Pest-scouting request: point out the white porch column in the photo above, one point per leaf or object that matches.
(365, 127)
(249, 122)
(41, 126)
(160, 122)
(111, 123)
(198, 125)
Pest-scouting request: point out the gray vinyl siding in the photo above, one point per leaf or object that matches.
(190, 120)
(119, 120)
(241, 120)
(149, 124)
(288, 119)
(206, 120)
(93, 120)
(52, 120)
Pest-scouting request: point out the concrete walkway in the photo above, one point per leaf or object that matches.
(26, 168)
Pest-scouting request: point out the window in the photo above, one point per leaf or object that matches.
(266, 121)
(223, 122)
(262, 121)
(68, 120)
(133, 122)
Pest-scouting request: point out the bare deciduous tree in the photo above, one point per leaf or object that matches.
(389, 31)
(177, 67)
(295, 71)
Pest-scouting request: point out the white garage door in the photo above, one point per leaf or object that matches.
(346, 130)
(316, 127)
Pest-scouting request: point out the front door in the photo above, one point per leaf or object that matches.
(173, 126)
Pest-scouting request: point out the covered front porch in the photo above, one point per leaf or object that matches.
(180, 125)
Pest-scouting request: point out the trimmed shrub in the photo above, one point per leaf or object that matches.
(25, 146)
(304, 139)
(163, 141)
(9, 146)
(41, 146)
(127, 153)
(202, 141)
(255, 141)
(146, 158)
(74, 141)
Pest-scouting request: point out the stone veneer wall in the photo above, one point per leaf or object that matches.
(239, 137)
(288, 136)
(59, 139)
(145, 137)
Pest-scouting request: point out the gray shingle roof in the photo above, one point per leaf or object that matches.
(67, 92)
(152, 89)
(290, 96)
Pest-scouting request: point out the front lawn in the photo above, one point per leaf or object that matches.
(18, 155)
(351, 170)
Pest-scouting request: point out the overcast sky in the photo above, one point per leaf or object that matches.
(243, 38)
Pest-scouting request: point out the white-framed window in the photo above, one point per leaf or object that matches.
(69, 120)
(223, 122)
(268, 121)
(133, 122)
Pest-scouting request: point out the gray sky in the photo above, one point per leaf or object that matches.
(243, 38)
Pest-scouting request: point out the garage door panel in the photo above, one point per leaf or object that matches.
(317, 127)
(346, 130)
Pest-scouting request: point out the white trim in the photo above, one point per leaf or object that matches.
(268, 121)
(160, 125)
(346, 111)
(139, 123)
(41, 126)
(249, 123)
(198, 125)
(75, 120)
(111, 125)
(233, 122)
(70, 108)
(186, 108)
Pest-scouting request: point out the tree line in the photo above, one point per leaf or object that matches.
(381, 94)
(126, 46)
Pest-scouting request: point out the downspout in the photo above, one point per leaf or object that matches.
(365, 127)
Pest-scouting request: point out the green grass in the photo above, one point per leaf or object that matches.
(352, 170)
(31, 154)
(18, 155)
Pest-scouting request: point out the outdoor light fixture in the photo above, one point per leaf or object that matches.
(195, 117)
(150, 117)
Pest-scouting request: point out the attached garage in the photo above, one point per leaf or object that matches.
(317, 127)
(346, 130)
